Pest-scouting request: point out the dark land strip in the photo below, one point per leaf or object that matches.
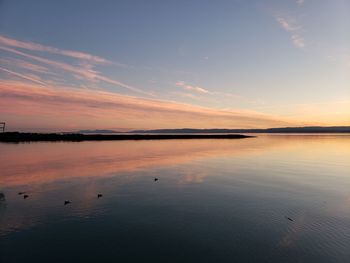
(14, 137)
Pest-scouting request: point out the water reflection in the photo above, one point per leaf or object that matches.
(215, 200)
(45, 162)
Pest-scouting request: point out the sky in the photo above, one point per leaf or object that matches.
(123, 65)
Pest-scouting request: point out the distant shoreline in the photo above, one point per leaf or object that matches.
(305, 129)
(16, 137)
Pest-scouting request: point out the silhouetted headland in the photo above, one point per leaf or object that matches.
(76, 137)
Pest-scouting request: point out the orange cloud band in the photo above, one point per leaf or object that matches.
(79, 107)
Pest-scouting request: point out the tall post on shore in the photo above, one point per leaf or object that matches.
(2, 126)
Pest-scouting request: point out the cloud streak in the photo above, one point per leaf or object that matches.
(290, 25)
(83, 72)
(6, 41)
(19, 63)
(105, 109)
(198, 93)
(32, 78)
(188, 87)
(44, 99)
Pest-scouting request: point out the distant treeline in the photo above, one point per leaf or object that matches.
(98, 131)
(310, 129)
(16, 137)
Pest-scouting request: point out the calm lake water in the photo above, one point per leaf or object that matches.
(215, 200)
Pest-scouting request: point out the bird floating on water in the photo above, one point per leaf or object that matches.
(99, 195)
(25, 196)
(155, 179)
(66, 202)
(21, 193)
(289, 219)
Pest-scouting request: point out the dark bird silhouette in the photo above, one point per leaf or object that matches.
(25, 196)
(21, 193)
(289, 219)
(99, 195)
(66, 202)
(155, 179)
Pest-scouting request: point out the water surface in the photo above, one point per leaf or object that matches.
(215, 200)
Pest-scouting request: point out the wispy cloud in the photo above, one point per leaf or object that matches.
(6, 41)
(29, 77)
(188, 87)
(111, 109)
(298, 41)
(291, 25)
(84, 71)
(19, 63)
(287, 23)
(203, 91)
(300, 2)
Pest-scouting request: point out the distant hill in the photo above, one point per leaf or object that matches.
(97, 131)
(309, 129)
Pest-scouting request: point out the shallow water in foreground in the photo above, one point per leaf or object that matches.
(215, 200)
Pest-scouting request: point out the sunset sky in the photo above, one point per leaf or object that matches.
(70, 65)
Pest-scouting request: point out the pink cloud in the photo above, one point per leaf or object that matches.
(62, 105)
(188, 87)
(6, 41)
(291, 25)
(287, 23)
(19, 63)
(86, 72)
(30, 77)
(298, 41)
